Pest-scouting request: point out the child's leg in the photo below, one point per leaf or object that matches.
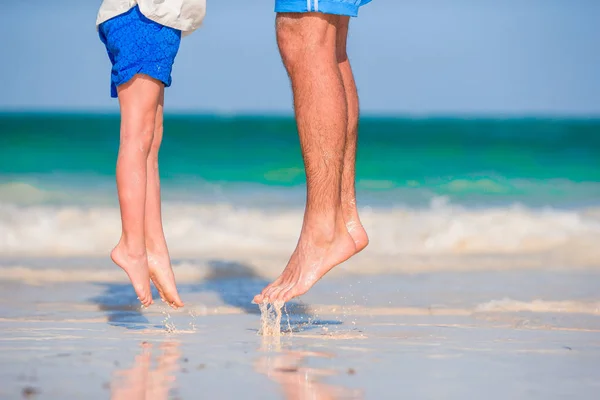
(159, 262)
(138, 99)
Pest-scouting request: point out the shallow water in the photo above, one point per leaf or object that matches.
(507, 334)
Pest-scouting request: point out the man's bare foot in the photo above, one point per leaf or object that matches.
(358, 233)
(354, 226)
(162, 275)
(315, 255)
(136, 267)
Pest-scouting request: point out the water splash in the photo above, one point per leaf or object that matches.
(270, 318)
(193, 314)
(169, 324)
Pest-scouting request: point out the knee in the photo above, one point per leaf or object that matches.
(289, 40)
(138, 135)
(301, 36)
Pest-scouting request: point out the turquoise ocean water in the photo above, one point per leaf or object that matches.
(426, 186)
(478, 162)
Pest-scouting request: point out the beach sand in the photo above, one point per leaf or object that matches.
(528, 333)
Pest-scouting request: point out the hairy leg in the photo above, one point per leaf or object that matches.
(349, 208)
(307, 44)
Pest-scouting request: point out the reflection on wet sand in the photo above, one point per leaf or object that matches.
(143, 381)
(300, 382)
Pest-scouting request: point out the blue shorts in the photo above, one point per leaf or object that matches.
(137, 45)
(339, 7)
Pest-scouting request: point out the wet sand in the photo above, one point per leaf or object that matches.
(512, 334)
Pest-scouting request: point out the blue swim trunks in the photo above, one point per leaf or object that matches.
(137, 45)
(339, 7)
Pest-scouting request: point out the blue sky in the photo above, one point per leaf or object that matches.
(478, 57)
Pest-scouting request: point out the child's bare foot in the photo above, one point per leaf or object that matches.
(162, 275)
(136, 267)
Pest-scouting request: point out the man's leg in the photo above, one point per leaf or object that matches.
(307, 43)
(351, 218)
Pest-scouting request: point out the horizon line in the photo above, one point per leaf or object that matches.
(290, 115)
